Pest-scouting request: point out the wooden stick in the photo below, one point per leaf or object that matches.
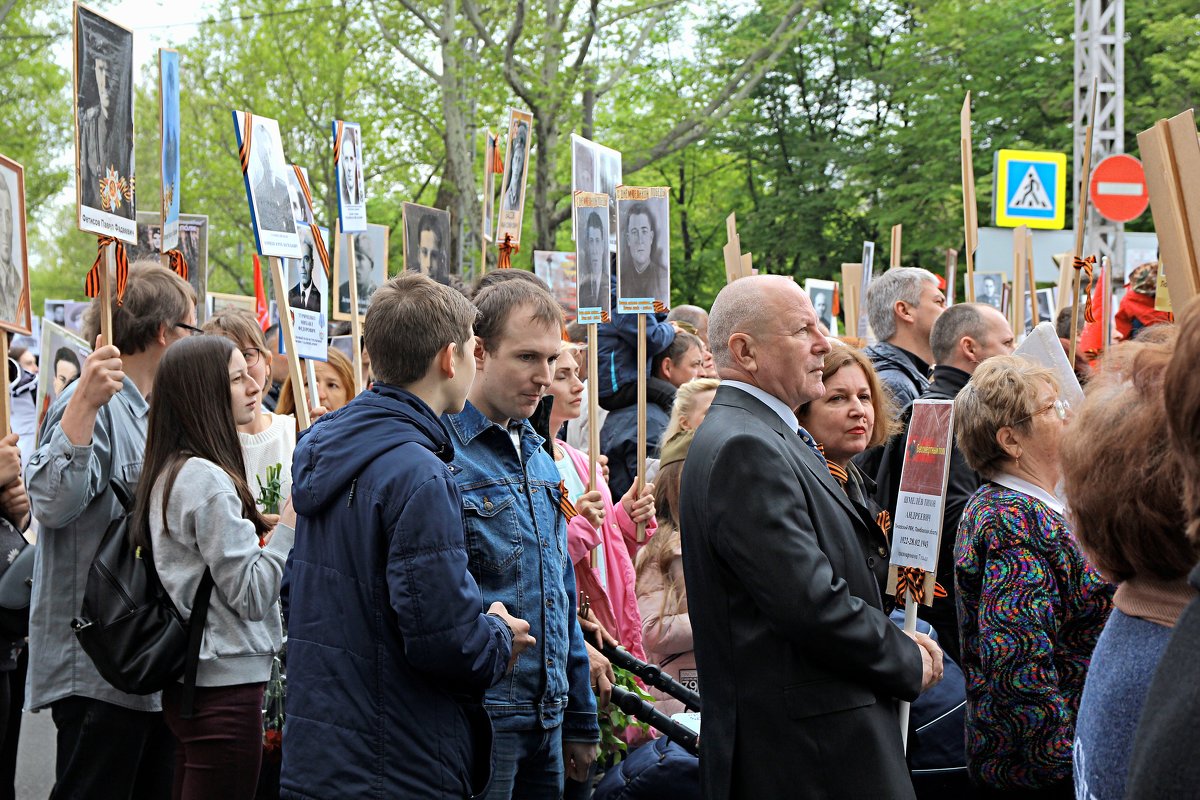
(1018, 305)
(6, 395)
(640, 483)
(310, 372)
(593, 401)
(1032, 278)
(289, 342)
(910, 626)
(106, 311)
(1106, 306)
(970, 208)
(897, 231)
(951, 274)
(355, 319)
(1081, 217)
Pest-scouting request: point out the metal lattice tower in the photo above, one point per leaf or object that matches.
(1100, 54)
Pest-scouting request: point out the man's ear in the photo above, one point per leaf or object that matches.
(969, 348)
(161, 338)
(479, 352)
(445, 359)
(743, 351)
(901, 310)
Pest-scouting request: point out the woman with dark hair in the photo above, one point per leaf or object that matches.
(196, 513)
(1122, 487)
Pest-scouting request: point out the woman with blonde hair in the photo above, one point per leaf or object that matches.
(335, 386)
(692, 400)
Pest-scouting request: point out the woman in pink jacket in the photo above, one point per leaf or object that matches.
(599, 527)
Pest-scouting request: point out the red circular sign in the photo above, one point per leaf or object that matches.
(1118, 188)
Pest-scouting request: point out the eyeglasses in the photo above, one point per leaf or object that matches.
(252, 356)
(191, 329)
(1061, 408)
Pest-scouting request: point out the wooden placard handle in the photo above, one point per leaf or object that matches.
(6, 395)
(289, 343)
(593, 401)
(106, 311)
(640, 483)
(355, 319)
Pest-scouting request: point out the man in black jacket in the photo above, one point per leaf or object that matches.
(962, 338)
(799, 665)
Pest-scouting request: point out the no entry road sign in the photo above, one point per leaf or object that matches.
(1118, 188)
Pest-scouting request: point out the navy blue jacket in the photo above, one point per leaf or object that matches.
(389, 648)
(616, 346)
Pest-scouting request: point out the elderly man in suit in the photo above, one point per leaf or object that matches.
(800, 668)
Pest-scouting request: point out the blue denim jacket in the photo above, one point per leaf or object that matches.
(517, 550)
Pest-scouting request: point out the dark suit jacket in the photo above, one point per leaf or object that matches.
(799, 666)
(295, 299)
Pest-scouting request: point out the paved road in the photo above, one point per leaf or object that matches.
(35, 757)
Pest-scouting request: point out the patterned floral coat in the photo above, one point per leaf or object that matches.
(1030, 610)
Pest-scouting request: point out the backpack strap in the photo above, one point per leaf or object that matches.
(195, 637)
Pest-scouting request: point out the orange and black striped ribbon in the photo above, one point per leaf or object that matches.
(318, 240)
(507, 248)
(1088, 265)
(912, 581)
(177, 263)
(337, 142)
(884, 520)
(564, 504)
(497, 160)
(91, 284)
(605, 316)
(659, 307)
(244, 150)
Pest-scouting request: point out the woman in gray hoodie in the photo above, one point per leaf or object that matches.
(196, 512)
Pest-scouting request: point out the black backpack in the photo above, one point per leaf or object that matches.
(128, 625)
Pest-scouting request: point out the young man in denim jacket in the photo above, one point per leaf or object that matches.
(544, 711)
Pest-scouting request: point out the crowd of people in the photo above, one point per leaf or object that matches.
(440, 566)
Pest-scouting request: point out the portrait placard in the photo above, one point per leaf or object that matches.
(351, 188)
(516, 169)
(594, 302)
(490, 146)
(371, 255)
(302, 212)
(62, 357)
(15, 311)
(265, 173)
(558, 271)
(219, 301)
(644, 252)
(608, 173)
(989, 289)
(308, 299)
(823, 295)
(193, 243)
(583, 171)
(103, 84)
(168, 121)
(1046, 312)
(868, 269)
(426, 234)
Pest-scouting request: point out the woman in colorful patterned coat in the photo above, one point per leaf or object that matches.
(1030, 606)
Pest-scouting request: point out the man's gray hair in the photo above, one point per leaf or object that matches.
(900, 283)
(730, 311)
(957, 321)
(692, 315)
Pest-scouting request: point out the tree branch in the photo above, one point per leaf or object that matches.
(409, 56)
(633, 52)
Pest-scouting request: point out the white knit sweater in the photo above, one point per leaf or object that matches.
(273, 446)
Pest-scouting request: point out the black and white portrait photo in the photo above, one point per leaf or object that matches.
(308, 287)
(14, 263)
(1046, 312)
(266, 178)
(352, 198)
(427, 241)
(989, 289)
(490, 150)
(516, 169)
(591, 253)
(609, 171)
(371, 256)
(104, 125)
(644, 252)
(583, 165)
(193, 244)
(822, 293)
(301, 212)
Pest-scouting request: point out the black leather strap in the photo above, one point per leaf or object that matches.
(195, 637)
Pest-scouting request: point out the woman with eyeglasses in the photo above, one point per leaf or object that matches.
(268, 440)
(1030, 606)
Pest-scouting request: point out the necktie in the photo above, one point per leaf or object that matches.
(808, 440)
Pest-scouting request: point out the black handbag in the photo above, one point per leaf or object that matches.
(16, 583)
(128, 625)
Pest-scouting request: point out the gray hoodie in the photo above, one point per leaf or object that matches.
(205, 527)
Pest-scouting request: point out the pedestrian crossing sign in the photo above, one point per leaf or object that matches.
(1030, 189)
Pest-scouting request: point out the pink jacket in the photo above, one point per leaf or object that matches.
(617, 609)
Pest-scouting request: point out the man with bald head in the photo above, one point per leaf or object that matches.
(799, 666)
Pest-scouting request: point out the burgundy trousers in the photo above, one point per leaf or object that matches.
(219, 750)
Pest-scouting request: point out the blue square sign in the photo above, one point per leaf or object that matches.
(1030, 189)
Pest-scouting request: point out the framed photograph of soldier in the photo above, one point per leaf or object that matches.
(558, 271)
(308, 299)
(823, 295)
(989, 289)
(490, 147)
(168, 121)
(594, 284)
(192, 242)
(1046, 310)
(583, 171)
(426, 233)
(608, 171)
(644, 249)
(301, 211)
(351, 188)
(15, 312)
(516, 170)
(265, 173)
(103, 98)
(371, 254)
(62, 357)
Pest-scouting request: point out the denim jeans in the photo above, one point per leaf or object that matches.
(108, 751)
(527, 765)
